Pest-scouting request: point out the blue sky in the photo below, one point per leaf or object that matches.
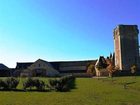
(56, 30)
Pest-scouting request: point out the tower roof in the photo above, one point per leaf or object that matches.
(123, 29)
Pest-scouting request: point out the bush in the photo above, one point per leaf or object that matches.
(39, 84)
(30, 83)
(3, 85)
(63, 84)
(9, 83)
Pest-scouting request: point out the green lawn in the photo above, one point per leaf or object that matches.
(89, 91)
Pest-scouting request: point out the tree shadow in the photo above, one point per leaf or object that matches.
(22, 90)
(128, 83)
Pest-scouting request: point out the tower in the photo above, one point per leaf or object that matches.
(126, 46)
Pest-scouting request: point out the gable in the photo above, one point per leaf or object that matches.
(3, 67)
(41, 64)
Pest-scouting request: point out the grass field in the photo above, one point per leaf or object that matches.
(89, 91)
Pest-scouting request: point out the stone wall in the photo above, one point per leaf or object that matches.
(126, 46)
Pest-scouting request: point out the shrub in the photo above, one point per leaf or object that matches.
(29, 83)
(13, 82)
(9, 83)
(52, 83)
(39, 84)
(69, 80)
(3, 85)
(63, 84)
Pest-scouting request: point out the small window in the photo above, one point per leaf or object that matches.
(39, 65)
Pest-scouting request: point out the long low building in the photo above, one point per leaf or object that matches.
(78, 68)
(58, 68)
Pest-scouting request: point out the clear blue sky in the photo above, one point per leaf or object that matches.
(56, 30)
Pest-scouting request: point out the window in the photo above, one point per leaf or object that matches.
(39, 65)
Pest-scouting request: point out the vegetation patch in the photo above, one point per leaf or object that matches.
(89, 91)
(62, 84)
(9, 83)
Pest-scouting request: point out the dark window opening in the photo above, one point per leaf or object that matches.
(39, 65)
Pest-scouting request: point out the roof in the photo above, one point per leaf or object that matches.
(127, 27)
(23, 65)
(71, 61)
(72, 65)
(3, 67)
(124, 25)
(57, 64)
(41, 60)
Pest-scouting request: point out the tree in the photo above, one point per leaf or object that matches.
(91, 69)
(111, 67)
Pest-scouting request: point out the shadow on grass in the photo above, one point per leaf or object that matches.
(110, 80)
(21, 90)
(32, 90)
(128, 83)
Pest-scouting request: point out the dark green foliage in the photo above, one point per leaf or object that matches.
(9, 83)
(3, 85)
(63, 84)
(40, 85)
(13, 82)
(52, 83)
(29, 83)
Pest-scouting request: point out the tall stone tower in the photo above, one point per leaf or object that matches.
(126, 46)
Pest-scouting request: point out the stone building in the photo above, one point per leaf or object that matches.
(101, 67)
(58, 68)
(77, 68)
(126, 46)
(38, 68)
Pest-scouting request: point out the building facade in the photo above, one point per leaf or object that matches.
(126, 46)
(37, 68)
(47, 69)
